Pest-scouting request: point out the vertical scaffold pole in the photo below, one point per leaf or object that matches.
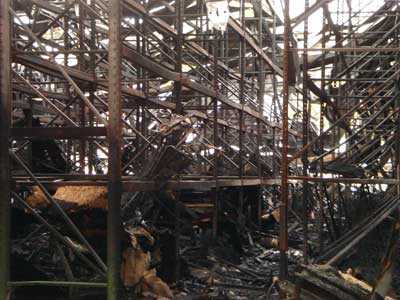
(5, 119)
(114, 150)
(283, 231)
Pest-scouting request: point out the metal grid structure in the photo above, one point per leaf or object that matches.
(119, 83)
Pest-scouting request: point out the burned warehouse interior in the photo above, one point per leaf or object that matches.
(199, 149)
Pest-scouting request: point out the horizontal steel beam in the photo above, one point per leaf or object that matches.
(142, 185)
(58, 132)
(57, 284)
(390, 181)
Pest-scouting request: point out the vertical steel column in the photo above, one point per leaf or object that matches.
(66, 86)
(5, 120)
(396, 168)
(81, 107)
(114, 150)
(29, 123)
(274, 117)
(261, 91)
(304, 159)
(178, 49)
(92, 70)
(179, 109)
(321, 141)
(176, 239)
(215, 135)
(350, 84)
(283, 230)
(139, 71)
(82, 141)
(145, 85)
(242, 59)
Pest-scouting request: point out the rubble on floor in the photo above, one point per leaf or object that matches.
(326, 282)
(241, 262)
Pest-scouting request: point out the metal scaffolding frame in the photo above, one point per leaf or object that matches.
(111, 80)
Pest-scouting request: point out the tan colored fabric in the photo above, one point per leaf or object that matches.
(154, 285)
(79, 196)
(37, 198)
(135, 265)
(85, 196)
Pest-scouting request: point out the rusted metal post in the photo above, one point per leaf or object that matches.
(81, 108)
(5, 119)
(66, 41)
(215, 135)
(321, 141)
(92, 69)
(242, 67)
(114, 150)
(283, 230)
(396, 169)
(261, 91)
(29, 122)
(145, 86)
(179, 109)
(274, 107)
(178, 49)
(306, 187)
